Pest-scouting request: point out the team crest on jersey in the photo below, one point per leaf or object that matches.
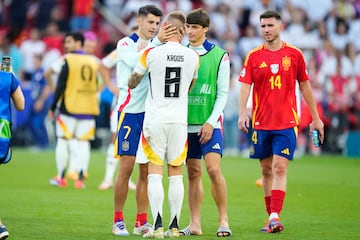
(243, 72)
(125, 145)
(252, 150)
(286, 63)
(142, 45)
(274, 68)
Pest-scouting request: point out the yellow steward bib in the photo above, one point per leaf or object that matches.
(80, 95)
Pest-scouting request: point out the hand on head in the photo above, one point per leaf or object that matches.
(166, 31)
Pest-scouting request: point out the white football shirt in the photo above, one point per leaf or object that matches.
(110, 60)
(171, 69)
(128, 51)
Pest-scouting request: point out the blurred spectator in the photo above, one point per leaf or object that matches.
(321, 30)
(257, 8)
(28, 49)
(8, 48)
(354, 32)
(82, 15)
(350, 52)
(224, 24)
(299, 33)
(17, 15)
(58, 16)
(304, 144)
(53, 37)
(3, 12)
(344, 9)
(51, 55)
(40, 94)
(340, 37)
(329, 66)
(325, 51)
(235, 59)
(115, 6)
(181, 5)
(231, 130)
(355, 90)
(91, 43)
(356, 4)
(357, 64)
(249, 41)
(317, 10)
(43, 14)
(338, 93)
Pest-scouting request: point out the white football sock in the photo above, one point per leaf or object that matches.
(61, 155)
(83, 153)
(110, 165)
(73, 157)
(273, 215)
(175, 196)
(155, 194)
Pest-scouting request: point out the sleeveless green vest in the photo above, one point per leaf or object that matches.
(203, 95)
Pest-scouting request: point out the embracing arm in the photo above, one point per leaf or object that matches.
(134, 80)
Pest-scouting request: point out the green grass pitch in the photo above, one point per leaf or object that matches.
(322, 201)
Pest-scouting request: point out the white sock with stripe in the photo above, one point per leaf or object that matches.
(176, 197)
(111, 164)
(155, 194)
(83, 153)
(61, 156)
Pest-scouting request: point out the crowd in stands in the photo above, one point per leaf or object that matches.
(327, 31)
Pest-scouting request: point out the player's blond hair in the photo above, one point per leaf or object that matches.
(177, 19)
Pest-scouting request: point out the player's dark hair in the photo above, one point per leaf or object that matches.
(198, 16)
(77, 36)
(271, 14)
(149, 9)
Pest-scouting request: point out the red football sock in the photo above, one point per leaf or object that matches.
(268, 204)
(277, 200)
(141, 218)
(118, 216)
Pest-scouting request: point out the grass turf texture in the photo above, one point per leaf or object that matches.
(322, 201)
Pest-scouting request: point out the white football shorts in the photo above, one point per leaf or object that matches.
(163, 143)
(69, 127)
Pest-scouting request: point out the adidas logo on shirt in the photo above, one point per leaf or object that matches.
(286, 151)
(263, 65)
(216, 146)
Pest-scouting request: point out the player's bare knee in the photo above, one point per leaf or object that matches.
(267, 172)
(194, 174)
(279, 170)
(214, 173)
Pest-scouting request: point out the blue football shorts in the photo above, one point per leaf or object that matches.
(265, 143)
(197, 150)
(129, 129)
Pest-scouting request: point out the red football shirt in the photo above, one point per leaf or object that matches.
(274, 75)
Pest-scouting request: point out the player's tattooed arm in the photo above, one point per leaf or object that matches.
(134, 80)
